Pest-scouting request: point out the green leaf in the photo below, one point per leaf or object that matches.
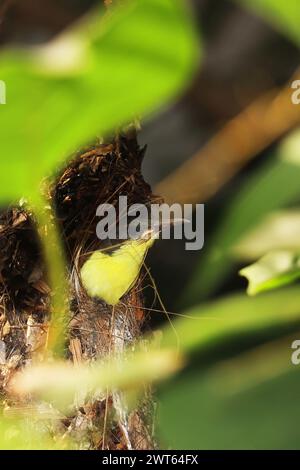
(233, 317)
(273, 270)
(284, 16)
(29, 428)
(278, 231)
(249, 402)
(233, 406)
(90, 80)
(59, 382)
(264, 191)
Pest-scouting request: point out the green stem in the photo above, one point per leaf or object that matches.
(56, 271)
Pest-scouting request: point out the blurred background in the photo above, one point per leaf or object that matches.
(244, 59)
(225, 142)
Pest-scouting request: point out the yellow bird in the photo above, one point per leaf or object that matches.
(110, 276)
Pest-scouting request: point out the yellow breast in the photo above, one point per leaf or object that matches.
(110, 276)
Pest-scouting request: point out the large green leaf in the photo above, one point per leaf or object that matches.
(232, 317)
(96, 77)
(285, 16)
(250, 402)
(58, 382)
(273, 270)
(274, 185)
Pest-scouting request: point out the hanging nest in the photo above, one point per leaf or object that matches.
(96, 175)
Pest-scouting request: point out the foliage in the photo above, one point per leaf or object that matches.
(259, 196)
(283, 15)
(249, 402)
(271, 271)
(90, 80)
(129, 64)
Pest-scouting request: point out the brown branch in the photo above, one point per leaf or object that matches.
(242, 138)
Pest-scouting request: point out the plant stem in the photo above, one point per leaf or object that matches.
(57, 275)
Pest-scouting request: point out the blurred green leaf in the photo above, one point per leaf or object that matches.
(263, 192)
(60, 381)
(232, 406)
(273, 270)
(231, 317)
(203, 327)
(90, 80)
(31, 433)
(278, 231)
(249, 402)
(285, 16)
